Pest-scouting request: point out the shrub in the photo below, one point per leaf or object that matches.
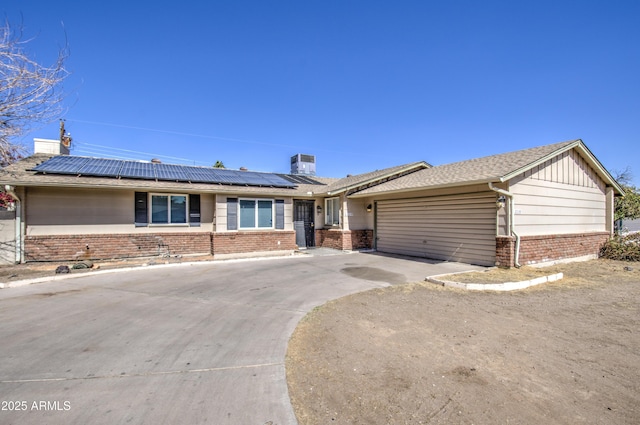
(625, 248)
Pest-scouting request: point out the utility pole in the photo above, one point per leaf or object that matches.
(65, 138)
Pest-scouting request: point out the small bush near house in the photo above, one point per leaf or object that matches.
(625, 248)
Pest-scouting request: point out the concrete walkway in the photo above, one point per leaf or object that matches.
(199, 343)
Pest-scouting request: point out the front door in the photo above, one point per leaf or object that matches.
(303, 223)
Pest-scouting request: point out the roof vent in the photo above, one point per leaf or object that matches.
(243, 169)
(156, 161)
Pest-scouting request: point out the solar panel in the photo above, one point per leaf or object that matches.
(201, 174)
(229, 177)
(296, 178)
(138, 170)
(249, 178)
(172, 172)
(101, 167)
(287, 177)
(62, 165)
(277, 181)
(151, 171)
(307, 180)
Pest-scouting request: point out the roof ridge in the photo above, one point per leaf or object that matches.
(535, 148)
(357, 179)
(497, 167)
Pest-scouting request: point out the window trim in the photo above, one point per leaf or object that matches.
(168, 223)
(256, 214)
(327, 201)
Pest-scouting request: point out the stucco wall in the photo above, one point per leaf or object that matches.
(7, 237)
(60, 211)
(358, 216)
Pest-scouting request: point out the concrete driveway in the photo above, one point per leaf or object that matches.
(202, 343)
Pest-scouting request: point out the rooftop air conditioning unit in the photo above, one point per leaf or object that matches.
(303, 164)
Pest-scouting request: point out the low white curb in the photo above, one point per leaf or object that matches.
(91, 272)
(507, 286)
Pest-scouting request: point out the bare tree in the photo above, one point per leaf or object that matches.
(628, 206)
(624, 177)
(30, 93)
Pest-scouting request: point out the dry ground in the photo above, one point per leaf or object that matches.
(12, 273)
(566, 352)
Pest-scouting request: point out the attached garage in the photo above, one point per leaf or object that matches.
(452, 228)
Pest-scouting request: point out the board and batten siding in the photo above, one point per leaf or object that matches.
(562, 196)
(453, 228)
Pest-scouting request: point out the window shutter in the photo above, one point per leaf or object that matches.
(194, 210)
(232, 213)
(141, 215)
(279, 213)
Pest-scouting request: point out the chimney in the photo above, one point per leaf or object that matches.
(54, 147)
(51, 147)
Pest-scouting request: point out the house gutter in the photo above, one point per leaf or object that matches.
(18, 253)
(512, 229)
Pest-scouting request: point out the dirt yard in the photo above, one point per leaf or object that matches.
(566, 352)
(17, 272)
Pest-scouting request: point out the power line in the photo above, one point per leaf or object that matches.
(180, 133)
(102, 149)
(369, 153)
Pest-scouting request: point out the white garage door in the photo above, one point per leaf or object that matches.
(453, 228)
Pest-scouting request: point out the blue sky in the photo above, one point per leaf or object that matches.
(362, 85)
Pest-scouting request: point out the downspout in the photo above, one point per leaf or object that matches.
(18, 254)
(512, 229)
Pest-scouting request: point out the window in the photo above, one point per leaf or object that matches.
(332, 211)
(163, 208)
(256, 213)
(169, 209)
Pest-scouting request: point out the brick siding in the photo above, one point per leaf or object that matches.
(102, 247)
(362, 239)
(243, 242)
(505, 251)
(344, 239)
(538, 249)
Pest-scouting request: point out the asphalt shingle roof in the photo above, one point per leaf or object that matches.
(19, 174)
(360, 179)
(407, 177)
(485, 169)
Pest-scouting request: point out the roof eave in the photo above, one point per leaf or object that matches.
(225, 188)
(417, 166)
(421, 188)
